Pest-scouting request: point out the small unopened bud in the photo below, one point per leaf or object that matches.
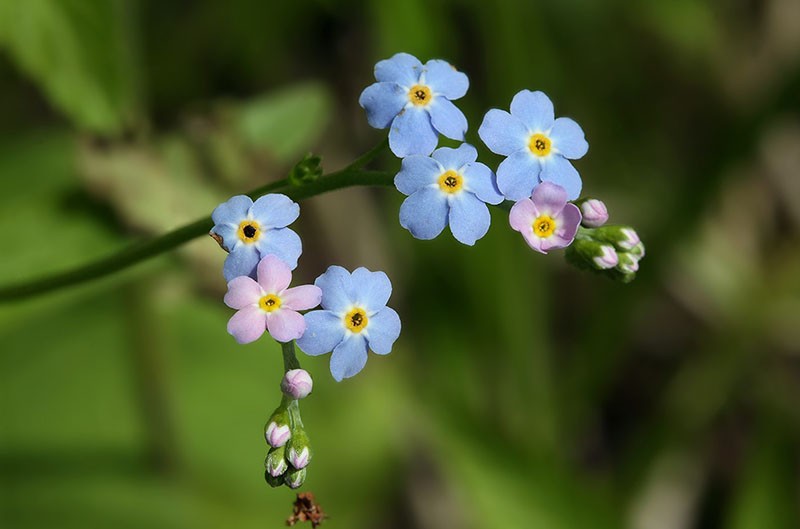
(622, 237)
(298, 450)
(276, 462)
(637, 251)
(307, 170)
(273, 481)
(594, 213)
(295, 478)
(629, 238)
(608, 257)
(628, 264)
(277, 431)
(297, 383)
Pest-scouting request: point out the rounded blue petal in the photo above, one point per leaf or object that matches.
(444, 79)
(481, 181)
(402, 68)
(568, 138)
(229, 233)
(233, 211)
(534, 109)
(517, 175)
(324, 331)
(383, 330)
(241, 261)
(412, 133)
(371, 290)
(503, 133)
(383, 101)
(416, 172)
(469, 218)
(424, 213)
(283, 243)
(457, 158)
(275, 211)
(336, 286)
(447, 118)
(349, 357)
(559, 170)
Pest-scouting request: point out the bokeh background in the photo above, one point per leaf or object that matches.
(522, 392)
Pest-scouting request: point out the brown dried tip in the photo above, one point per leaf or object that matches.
(306, 509)
(218, 239)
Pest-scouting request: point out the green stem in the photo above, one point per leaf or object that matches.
(351, 175)
(290, 360)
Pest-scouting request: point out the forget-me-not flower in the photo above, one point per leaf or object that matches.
(416, 101)
(449, 187)
(546, 220)
(249, 231)
(537, 145)
(354, 319)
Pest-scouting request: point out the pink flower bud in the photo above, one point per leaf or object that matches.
(299, 459)
(594, 213)
(277, 435)
(297, 383)
(629, 239)
(607, 259)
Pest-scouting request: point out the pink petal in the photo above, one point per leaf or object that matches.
(522, 215)
(285, 325)
(242, 292)
(273, 274)
(303, 297)
(550, 198)
(247, 325)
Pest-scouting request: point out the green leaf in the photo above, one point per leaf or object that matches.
(78, 52)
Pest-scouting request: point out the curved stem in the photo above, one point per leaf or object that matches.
(350, 176)
(290, 360)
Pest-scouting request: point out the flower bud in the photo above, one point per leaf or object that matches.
(277, 431)
(630, 238)
(298, 450)
(594, 212)
(608, 258)
(637, 251)
(588, 253)
(622, 237)
(276, 462)
(297, 384)
(271, 480)
(295, 478)
(628, 264)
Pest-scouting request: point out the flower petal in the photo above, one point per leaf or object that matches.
(517, 175)
(503, 133)
(444, 79)
(522, 215)
(275, 211)
(568, 138)
(233, 211)
(447, 118)
(247, 325)
(568, 222)
(383, 101)
(559, 170)
(324, 331)
(282, 243)
(479, 179)
(371, 290)
(242, 261)
(229, 234)
(402, 68)
(303, 297)
(349, 357)
(424, 213)
(549, 198)
(336, 287)
(242, 292)
(382, 331)
(412, 133)
(469, 218)
(274, 275)
(285, 325)
(457, 158)
(534, 109)
(416, 172)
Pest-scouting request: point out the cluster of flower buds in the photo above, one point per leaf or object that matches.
(290, 449)
(612, 250)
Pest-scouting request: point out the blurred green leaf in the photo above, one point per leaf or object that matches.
(78, 53)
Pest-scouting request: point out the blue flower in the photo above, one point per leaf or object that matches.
(355, 319)
(449, 187)
(538, 146)
(415, 100)
(249, 231)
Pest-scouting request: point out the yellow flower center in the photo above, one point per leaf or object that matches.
(450, 181)
(544, 226)
(420, 95)
(356, 320)
(249, 231)
(539, 144)
(269, 303)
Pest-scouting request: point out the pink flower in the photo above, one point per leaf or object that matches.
(546, 220)
(268, 304)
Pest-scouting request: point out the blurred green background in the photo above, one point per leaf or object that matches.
(522, 393)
